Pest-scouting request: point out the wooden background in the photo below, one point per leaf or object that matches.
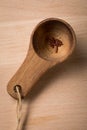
(59, 99)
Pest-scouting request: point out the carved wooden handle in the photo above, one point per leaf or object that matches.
(30, 71)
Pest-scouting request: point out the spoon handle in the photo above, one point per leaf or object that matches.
(29, 72)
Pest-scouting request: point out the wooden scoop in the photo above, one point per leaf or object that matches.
(52, 41)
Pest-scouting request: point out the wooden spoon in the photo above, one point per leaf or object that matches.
(52, 41)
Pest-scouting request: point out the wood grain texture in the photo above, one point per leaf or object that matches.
(59, 100)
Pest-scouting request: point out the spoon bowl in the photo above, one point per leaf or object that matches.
(49, 30)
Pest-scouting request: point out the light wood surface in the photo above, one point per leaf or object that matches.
(59, 99)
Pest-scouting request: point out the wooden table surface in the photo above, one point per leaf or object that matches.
(59, 99)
